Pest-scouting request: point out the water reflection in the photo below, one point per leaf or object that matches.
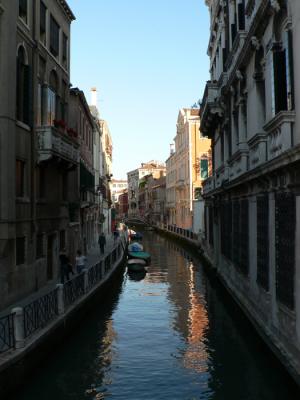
(170, 334)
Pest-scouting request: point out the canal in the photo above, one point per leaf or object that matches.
(172, 334)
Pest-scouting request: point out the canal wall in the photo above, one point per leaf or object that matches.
(279, 337)
(33, 331)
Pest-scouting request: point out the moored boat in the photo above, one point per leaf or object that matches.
(136, 265)
(135, 246)
(141, 255)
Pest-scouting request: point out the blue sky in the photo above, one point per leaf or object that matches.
(147, 59)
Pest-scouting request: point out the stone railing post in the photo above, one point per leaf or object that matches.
(85, 280)
(60, 298)
(19, 327)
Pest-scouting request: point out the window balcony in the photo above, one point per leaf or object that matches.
(238, 164)
(208, 185)
(211, 109)
(221, 176)
(257, 150)
(280, 132)
(53, 144)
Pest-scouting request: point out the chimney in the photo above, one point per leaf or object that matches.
(94, 97)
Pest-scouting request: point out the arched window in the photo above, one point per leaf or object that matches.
(23, 87)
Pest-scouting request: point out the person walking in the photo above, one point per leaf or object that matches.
(64, 266)
(102, 242)
(79, 261)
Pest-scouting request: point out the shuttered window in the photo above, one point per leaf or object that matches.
(54, 37)
(285, 231)
(279, 81)
(65, 48)
(262, 241)
(23, 95)
(20, 178)
(241, 15)
(23, 10)
(43, 16)
(288, 39)
(20, 250)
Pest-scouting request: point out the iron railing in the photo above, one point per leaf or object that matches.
(7, 337)
(38, 313)
(107, 263)
(73, 289)
(94, 275)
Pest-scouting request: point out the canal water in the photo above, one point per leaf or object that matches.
(171, 334)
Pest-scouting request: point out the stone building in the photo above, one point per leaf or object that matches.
(37, 152)
(249, 110)
(105, 184)
(82, 122)
(118, 186)
(187, 167)
(133, 177)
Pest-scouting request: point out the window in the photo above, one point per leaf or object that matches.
(20, 178)
(62, 239)
(51, 98)
(204, 168)
(262, 241)
(285, 235)
(41, 180)
(51, 106)
(23, 88)
(43, 24)
(20, 250)
(65, 49)
(23, 10)
(241, 15)
(39, 246)
(65, 186)
(282, 71)
(54, 37)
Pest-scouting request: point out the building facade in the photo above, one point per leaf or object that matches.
(35, 145)
(187, 168)
(83, 123)
(154, 168)
(252, 203)
(105, 184)
(118, 186)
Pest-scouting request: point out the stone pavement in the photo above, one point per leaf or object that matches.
(92, 258)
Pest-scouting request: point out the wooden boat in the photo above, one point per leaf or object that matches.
(141, 255)
(135, 246)
(136, 265)
(137, 275)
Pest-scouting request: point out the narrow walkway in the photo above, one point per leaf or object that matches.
(92, 258)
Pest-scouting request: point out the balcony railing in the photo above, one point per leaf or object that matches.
(279, 131)
(210, 107)
(52, 144)
(208, 185)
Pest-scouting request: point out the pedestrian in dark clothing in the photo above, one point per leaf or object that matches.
(64, 266)
(102, 242)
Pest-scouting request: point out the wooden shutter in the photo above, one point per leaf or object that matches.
(280, 81)
(241, 15)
